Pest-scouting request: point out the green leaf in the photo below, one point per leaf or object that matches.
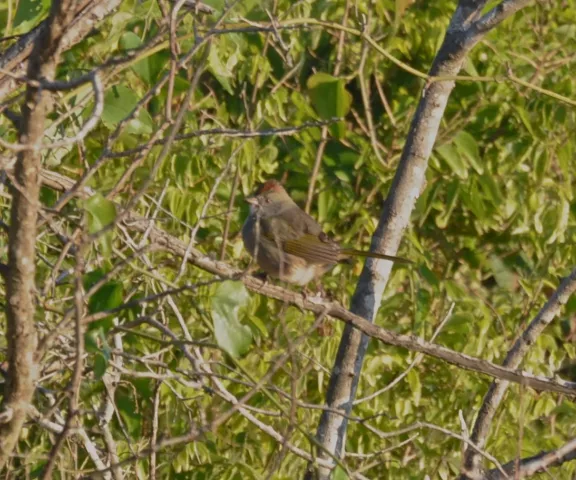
(100, 366)
(560, 219)
(541, 164)
(460, 322)
(491, 189)
(454, 160)
(91, 341)
(401, 6)
(259, 324)
(428, 275)
(469, 67)
(119, 102)
(107, 297)
(455, 290)
(101, 212)
(220, 71)
(473, 200)
(330, 99)
(452, 196)
(131, 41)
(523, 115)
(323, 204)
(415, 385)
(231, 335)
(340, 474)
(29, 12)
(95, 341)
(505, 277)
(468, 147)
(131, 414)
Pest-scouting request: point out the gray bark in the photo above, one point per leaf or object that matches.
(467, 27)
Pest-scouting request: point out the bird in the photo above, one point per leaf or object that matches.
(289, 244)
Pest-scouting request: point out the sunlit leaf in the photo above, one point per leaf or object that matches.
(119, 102)
(101, 212)
(29, 12)
(454, 160)
(131, 41)
(330, 99)
(466, 145)
(231, 334)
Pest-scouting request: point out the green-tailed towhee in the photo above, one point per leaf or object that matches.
(287, 242)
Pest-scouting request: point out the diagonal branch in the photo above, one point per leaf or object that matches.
(498, 388)
(164, 241)
(179, 248)
(536, 464)
(498, 14)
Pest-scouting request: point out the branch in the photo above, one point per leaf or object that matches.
(232, 133)
(498, 14)
(20, 287)
(413, 343)
(87, 14)
(196, 6)
(536, 464)
(57, 428)
(88, 126)
(515, 355)
(406, 187)
(163, 240)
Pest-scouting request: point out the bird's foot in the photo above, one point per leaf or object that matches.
(319, 294)
(263, 276)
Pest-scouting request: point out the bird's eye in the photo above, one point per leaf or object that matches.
(266, 200)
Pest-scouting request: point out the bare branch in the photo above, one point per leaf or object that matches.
(74, 385)
(498, 14)
(178, 248)
(233, 133)
(161, 239)
(497, 390)
(536, 464)
(89, 125)
(87, 13)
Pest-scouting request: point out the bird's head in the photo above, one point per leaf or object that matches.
(271, 193)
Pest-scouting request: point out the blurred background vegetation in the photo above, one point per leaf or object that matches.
(493, 231)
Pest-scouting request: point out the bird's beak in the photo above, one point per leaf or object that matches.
(252, 201)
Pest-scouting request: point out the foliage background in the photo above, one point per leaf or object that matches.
(493, 230)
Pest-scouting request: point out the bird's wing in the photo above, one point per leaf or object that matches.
(288, 224)
(312, 249)
(297, 233)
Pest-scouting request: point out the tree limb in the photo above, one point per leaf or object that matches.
(20, 285)
(498, 14)
(163, 240)
(406, 187)
(87, 14)
(177, 247)
(536, 464)
(513, 359)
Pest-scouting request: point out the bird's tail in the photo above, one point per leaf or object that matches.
(350, 252)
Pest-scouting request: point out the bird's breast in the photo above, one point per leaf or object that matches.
(301, 274)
